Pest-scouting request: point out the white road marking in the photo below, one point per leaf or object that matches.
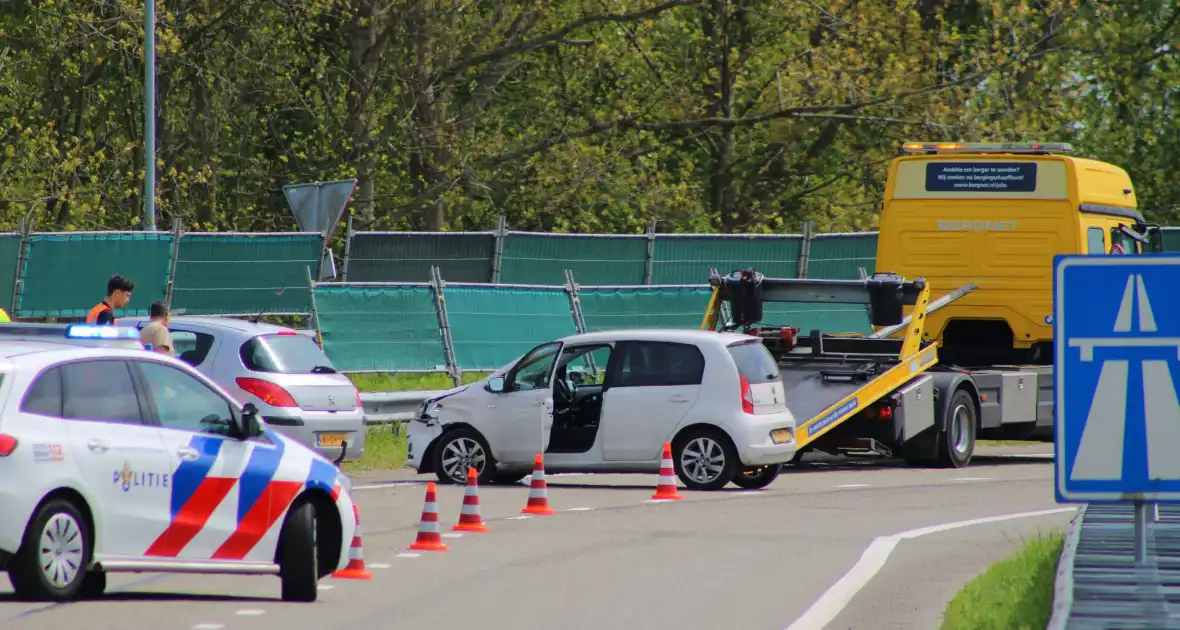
(829, 605)
(209, 626)
(326, 587)
(250, 612)
(658, 501)
(380, 565)
(522, 517)
(972, 479)
(452, 535)
(855, 485)
(408, 555)
(748, 493)
(580, 509)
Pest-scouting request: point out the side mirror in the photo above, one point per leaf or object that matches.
(249, 421)
(495, 385)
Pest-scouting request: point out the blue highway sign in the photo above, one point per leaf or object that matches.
(1116, 330)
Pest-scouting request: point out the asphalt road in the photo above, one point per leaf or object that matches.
(610, 559)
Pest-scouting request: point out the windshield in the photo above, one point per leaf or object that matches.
(754, 361)
(285, 354)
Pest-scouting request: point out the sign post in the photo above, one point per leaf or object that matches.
(1116, 329)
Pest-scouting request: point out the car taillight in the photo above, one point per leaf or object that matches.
(7, 445)
(267, 391)
(885, 412)
(747, 395)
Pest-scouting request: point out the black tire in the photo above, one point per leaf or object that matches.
(692, 442)
(298, 554)
(60, 523)
(757, 478)
(93, 585)
(956, 443)
(465, 440)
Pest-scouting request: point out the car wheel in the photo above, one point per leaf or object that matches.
(51, 562)
(957, 443)
(298, 555)
(704, 459)
(459, 450)
(757, 478)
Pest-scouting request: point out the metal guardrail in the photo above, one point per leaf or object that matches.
(394, 407)
(1099, 583)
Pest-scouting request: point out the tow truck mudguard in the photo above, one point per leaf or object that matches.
(925, 446)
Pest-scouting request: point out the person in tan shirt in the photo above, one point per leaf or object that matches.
(155, 335)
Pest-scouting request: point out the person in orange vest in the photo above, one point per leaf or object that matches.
(118, 295)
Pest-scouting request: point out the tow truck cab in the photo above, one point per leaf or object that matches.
(995, 214)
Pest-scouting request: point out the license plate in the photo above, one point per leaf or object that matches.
(781, 435)
(330, 439)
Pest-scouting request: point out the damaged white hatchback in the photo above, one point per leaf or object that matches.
(608, 402)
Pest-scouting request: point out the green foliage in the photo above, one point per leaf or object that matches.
(564, 115)
(1014, 594)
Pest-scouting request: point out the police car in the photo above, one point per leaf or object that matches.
(121, 460)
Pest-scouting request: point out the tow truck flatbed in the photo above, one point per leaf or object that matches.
(851, 393)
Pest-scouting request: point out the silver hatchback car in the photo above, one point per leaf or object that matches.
(283, 372)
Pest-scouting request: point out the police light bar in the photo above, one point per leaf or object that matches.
(87, 331)
(986, 147)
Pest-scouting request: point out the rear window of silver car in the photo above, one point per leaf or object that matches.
(285, 354)
(754, 361)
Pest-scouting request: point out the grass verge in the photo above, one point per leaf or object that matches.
(384, 450)
(1014, 594)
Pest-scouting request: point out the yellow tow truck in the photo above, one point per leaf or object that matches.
(982, 223)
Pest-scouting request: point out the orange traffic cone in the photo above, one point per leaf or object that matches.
(538, 491)
(666, 490)
(429, 538)
(356, 556)
(469, 518)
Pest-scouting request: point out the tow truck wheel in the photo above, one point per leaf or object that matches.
(957, 443)
(757, 478)
(51, 562)
(704, 459)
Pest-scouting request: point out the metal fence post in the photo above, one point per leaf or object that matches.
(649, 259)
(444, 326)
(571, 291)
(177, 234)
(21, 258)
(347, 250)
(315, 312)
(805, 248)
(498, 251)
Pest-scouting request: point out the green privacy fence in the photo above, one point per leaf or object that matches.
(600, 259)
(245, 273)
(65, 274)
(443, 327)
